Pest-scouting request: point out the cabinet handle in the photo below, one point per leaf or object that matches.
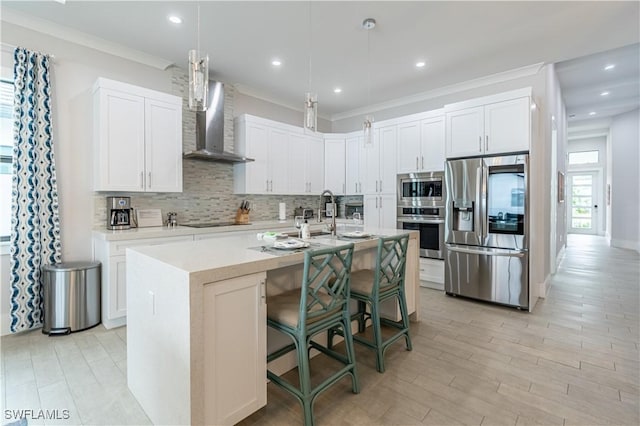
(480, 144)
(422, 161)
(416, 163)
(380, 186)
(377, 186)
(486, 143)
(149, 181)
(267, 190)
(271, 185)
(380, 202)
(376, 202)
(141, 180)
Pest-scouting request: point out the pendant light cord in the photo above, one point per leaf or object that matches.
(310, 44)
(369, 67)
(198, 31)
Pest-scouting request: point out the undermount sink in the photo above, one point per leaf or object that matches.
(312, 234)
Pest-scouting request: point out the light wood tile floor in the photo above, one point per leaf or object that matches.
(573, 361)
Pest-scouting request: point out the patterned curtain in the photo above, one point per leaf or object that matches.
(35, 224)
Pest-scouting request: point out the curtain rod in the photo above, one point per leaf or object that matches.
(10, 48)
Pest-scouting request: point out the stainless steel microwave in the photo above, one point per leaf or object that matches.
(421, 189)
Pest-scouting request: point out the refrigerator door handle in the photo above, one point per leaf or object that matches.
(482, 205)
(487, 251)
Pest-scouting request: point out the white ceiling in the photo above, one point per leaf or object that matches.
(459, 41)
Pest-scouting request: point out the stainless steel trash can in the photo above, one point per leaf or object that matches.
(71, 297)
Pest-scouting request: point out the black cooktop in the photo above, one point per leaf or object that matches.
(213, 225)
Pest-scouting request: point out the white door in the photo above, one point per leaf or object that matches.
(371, 210)
(387, 211)
(387, 160)
(409, 147)
(371, 165)
(315, 165)
(334, 165)
(465, 132)
(506, 126)
(352, 172)
(257, 147)
(297, 155)
(278, 161)
(582, 194)
(163, 146)
(432, 141)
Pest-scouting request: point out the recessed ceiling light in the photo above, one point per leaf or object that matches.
(175, 19)
(605, 93)
(592, 113)
(276, 62)
(609, 67)
(420, 64)
(337, 90)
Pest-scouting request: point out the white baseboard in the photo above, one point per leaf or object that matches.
(625, 244)
(543, 288)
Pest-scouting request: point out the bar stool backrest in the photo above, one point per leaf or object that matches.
(391, 263)
(325, 283)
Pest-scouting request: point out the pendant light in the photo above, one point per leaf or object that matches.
(198, 75)
(368, 24)
(310, 99)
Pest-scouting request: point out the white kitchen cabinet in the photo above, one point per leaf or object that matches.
(380, 163)
(111, 254)
(235, 374)
(306, 164)
(268, 146)
(355, 163)
(421, 145)
(380, 210)
(335, 165)
(495, 124)
(137, 136)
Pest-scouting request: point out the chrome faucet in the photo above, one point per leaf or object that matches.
(332, 226)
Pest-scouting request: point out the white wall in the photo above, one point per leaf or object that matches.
(625, 193)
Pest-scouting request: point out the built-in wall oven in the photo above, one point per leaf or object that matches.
(421, 208)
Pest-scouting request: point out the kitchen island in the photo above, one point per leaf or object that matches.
(196, 328)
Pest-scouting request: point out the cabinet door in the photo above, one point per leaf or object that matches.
(371, 165)
(235, 349)
(297, 162)
(507, 126)
(465, 132)
(387, 211)
(119, 135)
(408, 148)
(163, 146)
(432, 142)
(117, 306)
(353, 153)
(278, 161)
(257, 147)
(371, 212)
(387, 160)
(335, 165)
(315, 165)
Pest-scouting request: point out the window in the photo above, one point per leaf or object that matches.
(584, 157)
(6, 148)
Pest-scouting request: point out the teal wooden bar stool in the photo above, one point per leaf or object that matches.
(321, 304)
(372, 287)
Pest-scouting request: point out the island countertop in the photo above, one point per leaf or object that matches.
(232, 256)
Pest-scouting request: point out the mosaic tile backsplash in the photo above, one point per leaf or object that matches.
(207, 187)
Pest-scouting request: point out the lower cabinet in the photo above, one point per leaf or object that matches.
(114, 271)
(432, 273)
(380, 210)
(235, 348)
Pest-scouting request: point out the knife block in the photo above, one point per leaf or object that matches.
(242, 217)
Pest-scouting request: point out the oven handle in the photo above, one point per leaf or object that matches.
(431, 221)
(488, 252)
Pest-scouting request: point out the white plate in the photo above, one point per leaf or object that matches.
(356, 234)
(290, 244)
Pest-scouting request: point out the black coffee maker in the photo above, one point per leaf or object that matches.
(119, 213)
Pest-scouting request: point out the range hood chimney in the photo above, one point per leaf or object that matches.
(210, 131)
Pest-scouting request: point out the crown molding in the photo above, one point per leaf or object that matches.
(249, 91)
(83, 39)
(500, 77)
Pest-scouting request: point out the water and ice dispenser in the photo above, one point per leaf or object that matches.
(463, 215)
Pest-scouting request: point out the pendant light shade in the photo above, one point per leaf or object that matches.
(198, 75)
(368, 130)
(310, 111)
(198, 81)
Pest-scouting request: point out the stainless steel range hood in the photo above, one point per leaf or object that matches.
(210, 131)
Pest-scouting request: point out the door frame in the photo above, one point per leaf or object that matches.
(597, 215)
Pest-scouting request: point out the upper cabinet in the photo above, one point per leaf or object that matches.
(421, 144)
(287, 161)
(137, 136)
(335, 165)
(355, 163)
(380, 163)
(491, 125)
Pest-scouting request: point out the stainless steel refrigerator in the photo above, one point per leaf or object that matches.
(487, 229)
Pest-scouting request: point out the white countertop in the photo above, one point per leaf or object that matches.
(163, 231)
(226, 257)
